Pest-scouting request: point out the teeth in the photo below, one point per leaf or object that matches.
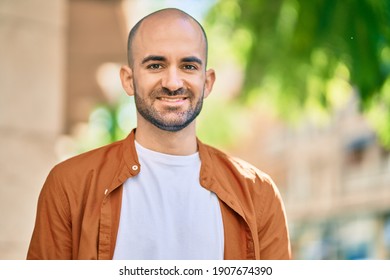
(171, 99)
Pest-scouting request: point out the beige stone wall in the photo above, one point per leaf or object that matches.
(97, 35)
(50, 52)
(32, 64)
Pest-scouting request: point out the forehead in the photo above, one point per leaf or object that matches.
(169, 35)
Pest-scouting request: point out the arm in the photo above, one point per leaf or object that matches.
(52, 237)
(273, 232)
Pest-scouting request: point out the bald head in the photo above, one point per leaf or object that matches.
(164, 16)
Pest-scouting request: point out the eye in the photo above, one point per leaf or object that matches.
(154, 66)
(189, 67)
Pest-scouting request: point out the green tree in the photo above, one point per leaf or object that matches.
(309, 55)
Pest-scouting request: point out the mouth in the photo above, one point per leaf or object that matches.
(172, 99)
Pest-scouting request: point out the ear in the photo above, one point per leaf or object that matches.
(126, 75)
(210, 79)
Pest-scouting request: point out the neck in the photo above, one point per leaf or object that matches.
(181, 143)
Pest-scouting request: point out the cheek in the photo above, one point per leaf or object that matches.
(147, 84)
(198, 87)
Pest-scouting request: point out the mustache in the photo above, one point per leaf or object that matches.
(166, 92)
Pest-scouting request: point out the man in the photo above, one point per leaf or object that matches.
(161, 193)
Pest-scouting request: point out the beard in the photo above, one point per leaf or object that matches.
(159, 119)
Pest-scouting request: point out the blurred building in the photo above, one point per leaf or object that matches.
(50, 52)
(335, 181)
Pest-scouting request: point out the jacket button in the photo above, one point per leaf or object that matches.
(134, 167)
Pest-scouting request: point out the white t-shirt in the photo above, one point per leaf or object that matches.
(166, 213)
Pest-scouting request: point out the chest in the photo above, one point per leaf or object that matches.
(167, 214)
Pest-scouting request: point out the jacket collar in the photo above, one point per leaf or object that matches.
(208, 179)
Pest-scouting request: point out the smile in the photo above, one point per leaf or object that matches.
(172, 99)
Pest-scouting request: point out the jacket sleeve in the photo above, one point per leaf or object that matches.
(273, 231)
(51, 238)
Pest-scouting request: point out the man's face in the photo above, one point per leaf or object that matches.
(169, 77)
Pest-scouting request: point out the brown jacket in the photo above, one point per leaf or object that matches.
(79, 205)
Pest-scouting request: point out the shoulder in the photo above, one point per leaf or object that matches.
(93, 157)
(100, 163)
(242, 181)
(89, 173)
(237, 167)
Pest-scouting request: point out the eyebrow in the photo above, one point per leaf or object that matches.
(153, 58)
(192, 59)
(162, 58)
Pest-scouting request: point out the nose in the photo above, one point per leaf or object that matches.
(172, 80)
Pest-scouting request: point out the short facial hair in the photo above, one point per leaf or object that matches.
(149, 113)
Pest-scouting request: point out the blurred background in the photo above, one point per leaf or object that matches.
(302, 92)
